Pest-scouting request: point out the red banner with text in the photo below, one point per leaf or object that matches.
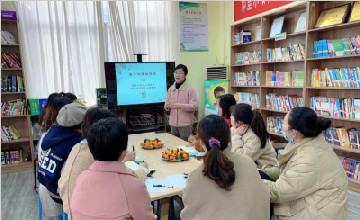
(244, 9)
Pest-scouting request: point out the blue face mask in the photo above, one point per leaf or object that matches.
(286, 138)
(217, 112)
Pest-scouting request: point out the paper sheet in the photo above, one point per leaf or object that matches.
(177, 181)
(151, 189)
(132, 165)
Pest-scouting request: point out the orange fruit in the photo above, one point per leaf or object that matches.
(165, 156)
(159, 143)
(148, 144)
(169, 153)
(172, 158)
(185, 156)
(142, 144)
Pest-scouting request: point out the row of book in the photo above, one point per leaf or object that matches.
(349, 138)
(336, 47)
(343, 77)
(12, 84)
(242, 37)
(11, 157)
(252, 99)
(10, 60)
(9, 133)
(336, 107)
(35, 130)
(283, 102)
(251, 78)
(13, 107)
(351, 166)
(293, 52)
(279, 78)
(275, 124)
(8, 38)
(248, 57)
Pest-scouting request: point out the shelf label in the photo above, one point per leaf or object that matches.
(281, 36)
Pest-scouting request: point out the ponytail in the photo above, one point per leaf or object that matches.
(259, 128)
(306, 121)
(214, 132)
(219, 168)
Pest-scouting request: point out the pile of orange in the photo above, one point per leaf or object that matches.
(156, 143)
(175, 155)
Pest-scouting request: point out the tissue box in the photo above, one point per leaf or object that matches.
(8, 15)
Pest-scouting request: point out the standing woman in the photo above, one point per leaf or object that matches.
(312, 182)
(182, 103)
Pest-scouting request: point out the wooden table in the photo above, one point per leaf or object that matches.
(162, 168)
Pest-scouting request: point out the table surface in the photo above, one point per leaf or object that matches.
(154, 159)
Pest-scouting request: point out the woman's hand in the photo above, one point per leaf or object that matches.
(145, 164)
(241, 130)
(175, 106)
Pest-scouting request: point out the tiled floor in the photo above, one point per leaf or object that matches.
(19, 199)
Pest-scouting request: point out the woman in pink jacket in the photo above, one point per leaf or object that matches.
(106, 190)
(182, 103)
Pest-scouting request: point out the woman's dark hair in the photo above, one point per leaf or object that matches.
(49, 104)
(69, 95)
(218, 89)
(107, 138)
(183, 67)
(225, 102)
(52, 110)
(91, 116)
(243, 112)
(217, 167)
(306, 121)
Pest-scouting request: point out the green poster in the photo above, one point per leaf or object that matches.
(210, 86)
(193, 27)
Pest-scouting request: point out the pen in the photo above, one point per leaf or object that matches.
(163, 186)
(133, 148)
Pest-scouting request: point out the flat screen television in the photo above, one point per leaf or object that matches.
(135, 84)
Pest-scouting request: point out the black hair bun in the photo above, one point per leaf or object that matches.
(325, 123)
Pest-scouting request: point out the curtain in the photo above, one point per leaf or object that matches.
(146, 27)
(62, 47)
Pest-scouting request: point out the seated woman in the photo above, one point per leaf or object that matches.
(107, 190)
(312, 182)
(223, 105)
(231, 182)
(81, 159)
(250, 137)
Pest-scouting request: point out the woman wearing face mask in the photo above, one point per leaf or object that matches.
(250, 137)
(223, 105)
(182, 103)
(312, 182)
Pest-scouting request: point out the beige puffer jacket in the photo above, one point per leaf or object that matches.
(312, 182)
(250, 145)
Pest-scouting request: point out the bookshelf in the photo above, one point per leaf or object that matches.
(21, 122)
(307, 38)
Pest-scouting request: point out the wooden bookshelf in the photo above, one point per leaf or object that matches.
(309, 63)
(21, 122)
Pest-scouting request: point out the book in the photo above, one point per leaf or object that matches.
(301, 23)
(34, 106)
(248, 57)
(13, 107)
(8, 38)
(336, 47)
(332, 16)
(251, 99)
(10, 60)
(355, 12)
(281, 54)
(283, 103)
(343, 77)
(336, 107)
(275, 124)
(12, 84)
(9, 133)
(276, 26)
(251, 78)
(242, 37)
(258, 33)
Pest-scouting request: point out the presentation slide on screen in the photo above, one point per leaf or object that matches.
(140, 83)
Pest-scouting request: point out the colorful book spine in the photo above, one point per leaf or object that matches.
(249, 98)
(275, 124)
(9, 133)
(336, 107)
(283, 54)
(14, 107)
(343, 77)
(283, 103)
(251, 78)
(247, 57)
(336, 47)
